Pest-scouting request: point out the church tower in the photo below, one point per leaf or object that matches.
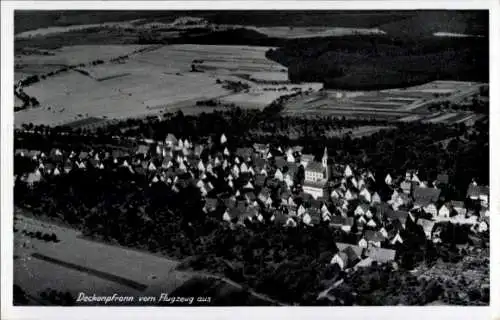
(324, 162)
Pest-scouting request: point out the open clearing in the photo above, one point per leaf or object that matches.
(150, 81)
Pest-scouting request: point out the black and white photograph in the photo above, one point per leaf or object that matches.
(244, 158)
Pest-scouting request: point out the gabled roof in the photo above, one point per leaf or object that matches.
(427, 225)
(426, 195)
(374, 236)
(351, 254)
(316, 204)
(280, 218)
(399, 215)
(355, 248)
(171, 138)
(260, 179)
(315, 167)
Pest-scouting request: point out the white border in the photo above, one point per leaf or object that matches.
(9, 312)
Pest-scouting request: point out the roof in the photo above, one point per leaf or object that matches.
(351, 255)
(142, 149)
(280, 162)
(308, 157)
(476, 190)
(374, 236)
(426, 195)
(317, 204)
(380, 254)
(356, 249)
(280, 218)
(315, 167)
(260, 179)
(399, 215)
(170, 137)
(211, 203)
(244, 152)
(443, 178)
(457, 204)
(427, 225)
(314, 184)
(405, 185)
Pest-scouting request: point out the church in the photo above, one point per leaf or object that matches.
(316, 176)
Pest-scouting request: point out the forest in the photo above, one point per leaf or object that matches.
(380, 62)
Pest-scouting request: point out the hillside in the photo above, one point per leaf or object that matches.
(380, 62)
(425, 23)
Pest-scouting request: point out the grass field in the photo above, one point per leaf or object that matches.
(149, 82)
(75, 264)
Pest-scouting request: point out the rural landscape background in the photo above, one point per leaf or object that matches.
(129, 126)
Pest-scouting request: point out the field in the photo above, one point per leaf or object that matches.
(150, 82)
(406, 104)
(307, 32)
(87, 266)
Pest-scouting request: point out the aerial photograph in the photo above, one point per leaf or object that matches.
(251, 158)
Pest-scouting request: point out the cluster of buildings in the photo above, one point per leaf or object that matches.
(283, 186)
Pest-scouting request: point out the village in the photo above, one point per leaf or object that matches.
(263, 184)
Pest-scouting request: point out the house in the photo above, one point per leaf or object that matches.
(396, 239)
(33, 178)
(315, 171)
(376, 198)
(373, 237)
(381, 255)
(427, 226)
(476, 192)
(431, 209)
(316, 189)
(348, 171)
(442, 179)
(361, 209)
(406, 187)
(459, 207)
(425, 196)
(399, 215)
(340, 259)
(142, 150)
(388, 179)
(305, 159)
(445, 210)
(365, 194)
(358, 251)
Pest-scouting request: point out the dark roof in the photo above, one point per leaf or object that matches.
(443, 178)
(315, 166)
(280, 218)
(260, 179)
(316, 204)
(426, 195)
(476, 190)
(211, 203)
(251, 196)
(229, 202)
(280, 162)
(292, 169)
(259, 164)
(356, 249)
(399, 215)
(83, 155)
(351, 254)
(235, 212)
(374, 236)
(244, 152)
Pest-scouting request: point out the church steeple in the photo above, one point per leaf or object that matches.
(324, 162)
